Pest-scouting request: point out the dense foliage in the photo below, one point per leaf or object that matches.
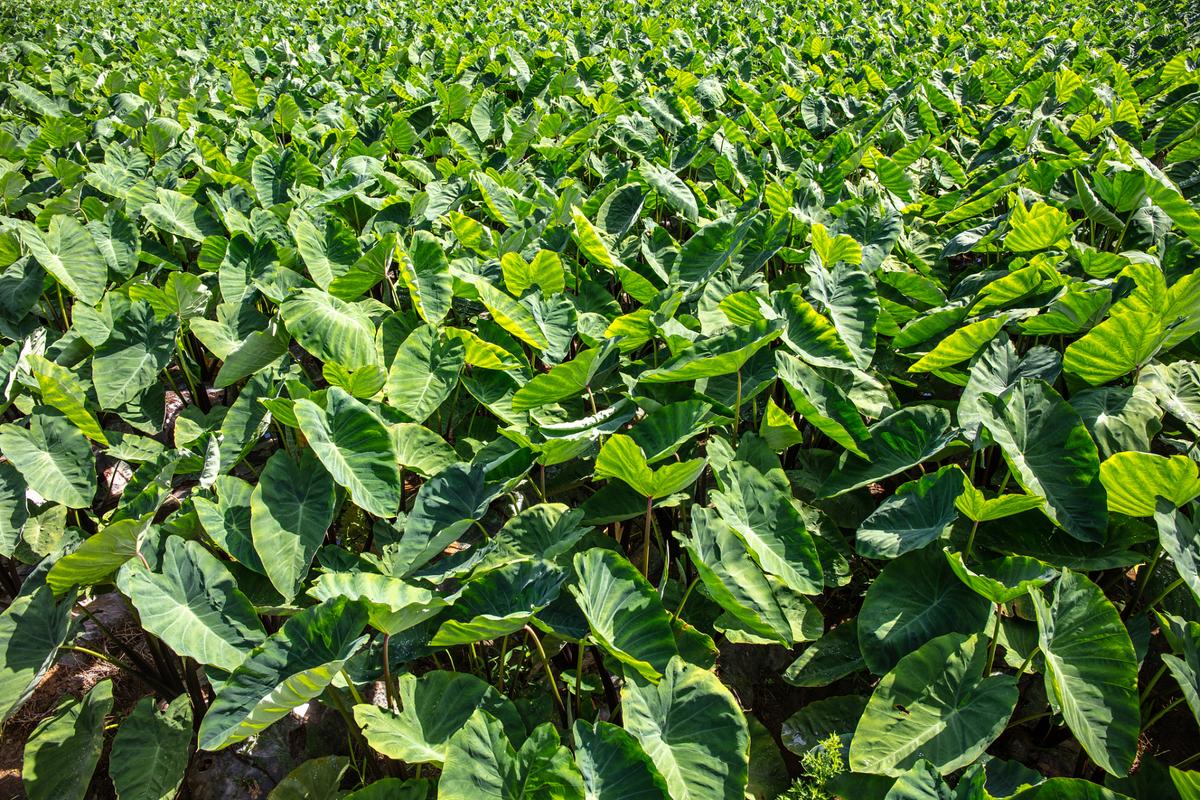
(605, 399)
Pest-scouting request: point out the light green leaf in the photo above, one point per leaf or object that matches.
(62, 752)
(614, 766)
(330, 329)
(961, 345)
(1134, 481)
(69, 253)
(426, 272)
(290, 510)
(53, 457)
(32, 629)
(424, 372)
(150, 752)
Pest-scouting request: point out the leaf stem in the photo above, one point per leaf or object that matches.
(388, 685)
(546, 663)
(646, 538)
(1162, 713)
(991, 662)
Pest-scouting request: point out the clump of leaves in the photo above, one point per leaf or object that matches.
(820, 764)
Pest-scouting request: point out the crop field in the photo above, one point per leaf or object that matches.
(600, 400)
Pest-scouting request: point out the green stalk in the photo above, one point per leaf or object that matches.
(646, 538)
(388, 684)
(546, 663)
(1162, 713)
(992, 647)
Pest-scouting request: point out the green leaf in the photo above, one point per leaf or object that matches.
(810, 334)
(848, 296)
(919, 512)
(499, 601)
(69, 253)
(591, 242)
(621, 458)
(961, 345)
(510, 314)
(934, 705)
(1117, 346)
(1004, 579)
(693, 730)
(424, 372)
(897, 442)
(433, 707)
(614, 766)
(831, 657)
(62, 390)
(193, 605)
(329, 328)
(228, 521)
(53, 456)
(915, 599)
(182, 216)
(394, 605)
(356, 448)
(99, 556)
(571, 379)
(32, 629)
(150, 752)
(291, 508)
(722, 354)
(1091, 670)
(315, 779)
(669, 186)
(62, 751)
(482, 763)
(1181, 540)
(765, 518)
(1051, 455)
(545, 272)
(823, 403)
(623, 612)
(291, 667)
(1133, 481)
(426, 272)
(328, 253)
(139, 347)
(1040, 227)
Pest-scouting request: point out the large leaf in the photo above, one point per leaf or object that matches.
(193, 605)
(329, 328)
(935, 705)
(1181, 540)
(53, 456)
(394, 604)
(69, 253)
(129, 360)
(293, 666)
(481, 762)
(847, 295)
(426, 272)
(424, 372)
(899, 441)
(823, 403)
(32, 629)
(624, 612)
(919, 512)
(614, 766)
(1050, 453)
(356, 448)
(1091, 670)
(433, 708)
(716, 355)
(693, 730)
(290, 510)
(622, 458)
(916, 598)
(62, 751)
(150, 752)
(1133, 481)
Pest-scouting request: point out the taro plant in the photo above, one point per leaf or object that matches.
(587, 400)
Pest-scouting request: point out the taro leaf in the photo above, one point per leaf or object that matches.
(14, 508)
(722, 354)
(1067, 789)
(823, 403)
(99, 556)
(978, 507)
(424, 372)
(328, 253)
(53, 457)
(568, 380)
(482, 763)
(835, 655)
(356, 448)
(228, 521)
(445, 507)
(1180, 538)
(291, 667)
(621, 458)
(1051, 455)
(876, 232)
(182, 216)
(897, 442)
(934, 705)
(624, 612)
(129, 360)
(258, 351)
(394, 605)
(432, 708)
(804, 731)
(961, 345)
(1134, 480)
(847, 295)
(420, 449)
(1176, 387)
(613, 764)
(426, 273)
(1091, 670)
(1119, 418)
(922, 782)
(997, 368)
(916, 598)
(151, 750)
(1039, 227)
(315, 779)
(545, 273)
(1004, 579)
(668, 185)
(329, 328)
(62, 751)
(192, 603)
(509, 314)
(1186, 670)
(1122, 343)
(62, 390)
(692, 729)
(499, 602)
(764, 517)
(392, 789)
(32, 629)
(290, 510)
(810, 334)
(69, 253)
(919, 512)
(733, 580)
